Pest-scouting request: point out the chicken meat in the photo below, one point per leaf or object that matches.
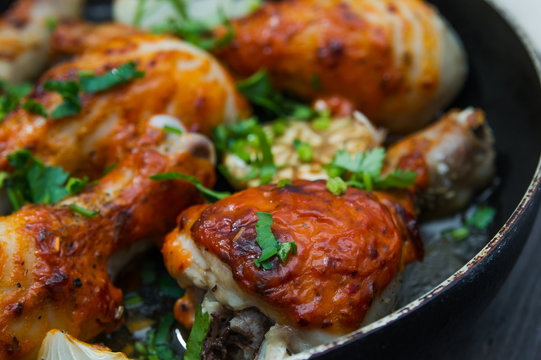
(179, 80)
(350, 248)
(53, 272)
(397, 61)
(25, 34)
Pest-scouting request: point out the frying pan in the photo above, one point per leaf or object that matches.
(505, 81)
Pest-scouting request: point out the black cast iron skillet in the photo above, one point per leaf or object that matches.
(505, 81)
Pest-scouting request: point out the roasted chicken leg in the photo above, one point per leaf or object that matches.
(25, 34)
(179, 80)
(53, 270)
(397, 61)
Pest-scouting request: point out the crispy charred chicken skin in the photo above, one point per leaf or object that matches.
(395, 60)
(349, 248)
(54, 260)
(25, 34)
(180, 80)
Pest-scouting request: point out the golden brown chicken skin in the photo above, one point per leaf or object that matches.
(349, 249)
(53, 271)
(395, 60)
(179, 80)
(25, 35)
(74, 37)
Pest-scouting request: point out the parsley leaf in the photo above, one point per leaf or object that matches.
(197, 335)
(198, 33)
(336, 186)
(121, 75)
(268, 243)
(363, 171)
(283, 182)
(76, 185)
(83, 211)
(90, 83)
(259, 91)
(69, 90)
(479, 220)
(35, 107)
(482, 217)
(33, 182)
(12, 94)
(304, 150)
(207, 193)
(233, 138)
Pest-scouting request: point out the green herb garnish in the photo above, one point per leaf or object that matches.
(11, 95)
(479, 220)
(336, 186)
(304, 150)
(121, 75)
(259, 91)
(364, 171)
(76, 185)
(31, 181)
(69, 90)
(197, 335)
(233, 138)
(283, 182)
(132, 300)
(83, 211)
(209, 194)
(173, 130)
(198, 33)
(482, 217)
(35, 107)
(268, 243)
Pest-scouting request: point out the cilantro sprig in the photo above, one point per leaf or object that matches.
(268, 243)
(478, 221)
(207, 193)
(33, 182)
(88, 82)
(121, 75)
(240, 139)
(259, 91)
(11, 95)
(198, 333)
(363, 171)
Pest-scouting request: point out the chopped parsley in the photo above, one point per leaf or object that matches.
(242, 138)
(482, 217)
(196, 32)
(121, 75)
(304, 151)
(363, 171)
(11, 95)
(268, 243)
(31, 181)
(69, 90)
(156, 346)
(76, 185)
(89, 83)
(197, 335)
(259, 91)
(479, 220)
(207, 193)
(283, 182)
(173, 130)
(35, 107)
(336, 186)
(83, 211)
